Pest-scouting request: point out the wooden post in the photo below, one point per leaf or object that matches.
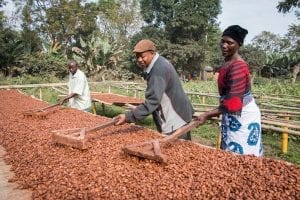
(285, 138)
(261, 99)
(94, 108)
(218, 144)
(41, 95)
(203, 99)
(219, 136)
(103, 107)
(109, 89)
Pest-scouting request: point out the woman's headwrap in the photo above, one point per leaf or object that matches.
(236, 32)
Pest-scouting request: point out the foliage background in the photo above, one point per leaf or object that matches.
(101, 35)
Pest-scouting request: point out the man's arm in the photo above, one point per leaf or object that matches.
(207, 115)
(154, 93)
(63, 100)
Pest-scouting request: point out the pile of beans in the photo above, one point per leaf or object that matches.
(111, 98)
(104, 171)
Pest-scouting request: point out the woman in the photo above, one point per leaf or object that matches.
(241, 118)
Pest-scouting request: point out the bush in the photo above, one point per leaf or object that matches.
(275, 86)
(45, 65)
(27, 79)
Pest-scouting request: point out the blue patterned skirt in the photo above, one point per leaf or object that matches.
(242, 134)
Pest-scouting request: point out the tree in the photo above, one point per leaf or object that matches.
(70, 22)
(11, 46)
(270, 42)
(2, 2)
(11, 50)
(293, 36)
(44, 64)
(182, 29)
(62, 21)
(2, 18)
(287, 5)
(118, 20)
(279, 51)
(255, 57)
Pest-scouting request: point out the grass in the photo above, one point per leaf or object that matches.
(207, 134)
(48, 95)
(272, 147)
(112, 111)
(27, 79)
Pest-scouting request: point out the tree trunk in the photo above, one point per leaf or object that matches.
(252, 77)
(296, 71)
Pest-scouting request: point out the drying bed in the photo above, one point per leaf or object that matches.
(103, 171)
(111, 98)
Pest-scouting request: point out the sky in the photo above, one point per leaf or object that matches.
(256, 16)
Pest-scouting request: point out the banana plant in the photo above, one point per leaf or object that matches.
(52, 48)
(98, 55)
(281, 63)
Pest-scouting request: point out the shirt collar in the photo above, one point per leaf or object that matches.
(148, 69)
(76, 74)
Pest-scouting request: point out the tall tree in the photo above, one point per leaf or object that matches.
(294, 29)
(182, 27)
(270, 42)
(255, 57)
(293, 34)
(279, 52)
(119, 19)
(1, 14)
(118, 22)
(62, 21)
(10, 46)
(11, 50)
(287, 5)
(104, 51)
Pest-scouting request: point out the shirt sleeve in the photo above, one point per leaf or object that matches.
(154, 92)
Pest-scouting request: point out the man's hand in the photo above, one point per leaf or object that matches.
(120, 119)
(61, 101)
(207, 115)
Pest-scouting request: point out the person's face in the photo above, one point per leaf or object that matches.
(144, 59)
(72, 68)
(228, 46)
